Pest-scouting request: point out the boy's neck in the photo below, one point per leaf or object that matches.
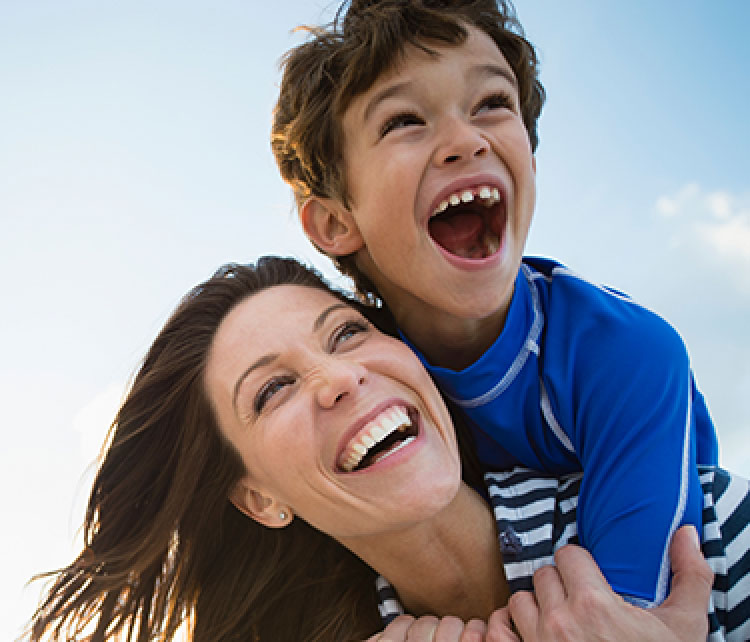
(448, 341)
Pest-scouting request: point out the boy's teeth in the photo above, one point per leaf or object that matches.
(489, 196)
(386, 423)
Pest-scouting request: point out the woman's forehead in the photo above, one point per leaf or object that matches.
(269, 322)
(291, 308)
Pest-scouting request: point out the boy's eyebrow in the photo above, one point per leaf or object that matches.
(383, 94)
(490, 70)
(485, 70)
(270, 358)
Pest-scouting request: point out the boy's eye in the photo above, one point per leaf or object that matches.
(346, 331)
(269, 389)
(495, 101)
(398, 121)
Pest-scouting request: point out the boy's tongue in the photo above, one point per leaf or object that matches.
(458, 234)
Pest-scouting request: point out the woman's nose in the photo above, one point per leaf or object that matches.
(460, 140)
(338, 379)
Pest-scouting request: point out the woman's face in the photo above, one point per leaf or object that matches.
(333, 420)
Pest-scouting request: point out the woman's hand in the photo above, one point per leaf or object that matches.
(428, 628)
(573, 601)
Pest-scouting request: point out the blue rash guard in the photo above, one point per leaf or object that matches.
(584, 379)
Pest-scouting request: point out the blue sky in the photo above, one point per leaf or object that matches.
(134, 159)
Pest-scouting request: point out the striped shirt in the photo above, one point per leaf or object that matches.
(536, 515)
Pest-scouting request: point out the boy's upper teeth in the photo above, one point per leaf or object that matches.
(488, 196)
(392, 419)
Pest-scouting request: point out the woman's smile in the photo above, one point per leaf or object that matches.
(392, 429)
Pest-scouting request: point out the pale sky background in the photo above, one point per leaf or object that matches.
(134, 159)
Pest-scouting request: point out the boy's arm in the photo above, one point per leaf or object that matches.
(635, 434)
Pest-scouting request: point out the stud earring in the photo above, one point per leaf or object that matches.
(282, 515)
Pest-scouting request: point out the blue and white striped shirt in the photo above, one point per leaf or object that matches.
(536, 515)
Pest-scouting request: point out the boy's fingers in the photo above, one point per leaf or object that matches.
(447, 629)
(422, 629)
(524, 611)
(500, 628)
(475, 631)
(396, 631)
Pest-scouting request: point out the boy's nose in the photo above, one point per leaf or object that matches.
(461, 141)
(337, 380)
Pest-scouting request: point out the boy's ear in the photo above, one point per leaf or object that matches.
(330, 226)
(257, 505)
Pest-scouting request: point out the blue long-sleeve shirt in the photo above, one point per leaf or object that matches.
(582, 378)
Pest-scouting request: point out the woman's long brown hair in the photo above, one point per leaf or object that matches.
(162, 543)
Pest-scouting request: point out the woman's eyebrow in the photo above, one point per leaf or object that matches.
(263, 361)
(270, 358)
(324, 315)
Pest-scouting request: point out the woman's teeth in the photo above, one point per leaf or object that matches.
(392, 420)
(488, 196)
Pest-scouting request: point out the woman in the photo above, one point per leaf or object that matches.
(254, 427)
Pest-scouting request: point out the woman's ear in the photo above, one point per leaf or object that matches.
(260, 507)
(330, 226)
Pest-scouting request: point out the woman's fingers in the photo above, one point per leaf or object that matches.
(683, 612)
(548, 588)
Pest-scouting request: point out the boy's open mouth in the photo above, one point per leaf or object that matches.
(470, 222)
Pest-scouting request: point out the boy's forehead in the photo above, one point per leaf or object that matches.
(478, 50)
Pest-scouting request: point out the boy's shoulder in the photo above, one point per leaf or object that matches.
(560, 289)
(582, 313)
(559, 279)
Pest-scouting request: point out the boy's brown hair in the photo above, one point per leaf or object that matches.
(344, 59)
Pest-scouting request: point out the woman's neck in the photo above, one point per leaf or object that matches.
(451, 565)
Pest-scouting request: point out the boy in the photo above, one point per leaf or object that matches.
(407, 130)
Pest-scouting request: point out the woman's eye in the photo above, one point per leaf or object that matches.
(495, 101)
(269, 389)
(346, 331)
(399, 121)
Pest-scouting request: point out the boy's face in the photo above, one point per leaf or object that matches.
(442, 185)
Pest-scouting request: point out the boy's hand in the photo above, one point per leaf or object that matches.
(573, 601)
(428, 628)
